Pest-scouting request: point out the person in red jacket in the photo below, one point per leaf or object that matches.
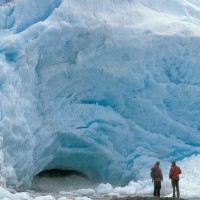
(174, 176)
(157, 177)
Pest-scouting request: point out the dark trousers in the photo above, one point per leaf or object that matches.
(157, 188)
(175, 186)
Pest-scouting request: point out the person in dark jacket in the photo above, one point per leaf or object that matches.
(157, 177)
(174, 173)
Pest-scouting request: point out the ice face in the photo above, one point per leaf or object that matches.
(101, 88)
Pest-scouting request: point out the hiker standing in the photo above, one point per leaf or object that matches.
(174, 176)
(157, 177)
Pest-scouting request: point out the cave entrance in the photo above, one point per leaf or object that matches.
(56, 173)
(56, 180)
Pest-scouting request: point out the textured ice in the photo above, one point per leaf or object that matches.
(103, 88)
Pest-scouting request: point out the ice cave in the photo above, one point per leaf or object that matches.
(102, 89)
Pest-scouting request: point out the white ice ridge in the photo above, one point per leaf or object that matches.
(104, 88)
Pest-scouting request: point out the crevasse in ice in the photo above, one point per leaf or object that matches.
(104, 88)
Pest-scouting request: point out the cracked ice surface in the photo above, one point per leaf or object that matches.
(103, 88)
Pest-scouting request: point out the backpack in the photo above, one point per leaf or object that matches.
(154, 173)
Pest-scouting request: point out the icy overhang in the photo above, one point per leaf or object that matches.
(102, 88)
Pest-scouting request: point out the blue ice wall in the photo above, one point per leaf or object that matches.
(103, 88)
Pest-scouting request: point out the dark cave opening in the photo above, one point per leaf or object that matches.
(56, 180)
(59, 173)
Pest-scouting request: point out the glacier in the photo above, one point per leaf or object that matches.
(103, 88)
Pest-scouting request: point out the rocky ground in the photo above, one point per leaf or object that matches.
(144, 198)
